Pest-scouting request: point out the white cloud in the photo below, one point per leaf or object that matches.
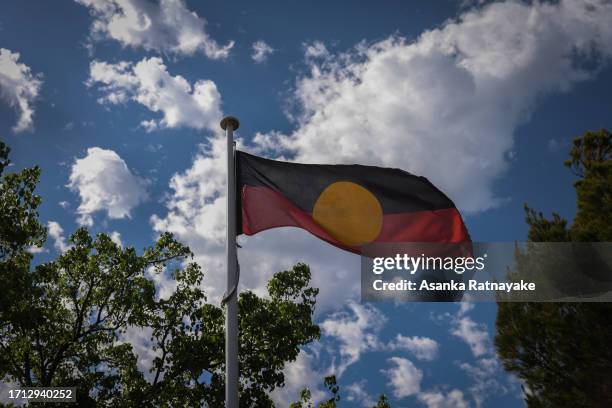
(315, 50)
(56, 232)
(165, 285)
(485, 374)
(115, 236)
(465, 307)
(142, 346)
(486, 367)
(423, 348)
(447, 104)
(261, 51)
(488, 378)
(299, 374)
(150, 84)
(36, 250)
(357, 394)
(404, 377)
(405, 380)
(454, 399)
(18, 87)
(356, 331)
(475, 335)
(197, 204)
(163, 26)
(462, 326)
(105, 183)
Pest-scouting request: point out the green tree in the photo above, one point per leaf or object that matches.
(306, 396)
(383, 402)
(64, 322)
(561, 351)
(19, 230)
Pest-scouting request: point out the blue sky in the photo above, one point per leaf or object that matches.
(483, 99)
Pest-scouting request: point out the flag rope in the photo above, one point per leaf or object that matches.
(226, 295)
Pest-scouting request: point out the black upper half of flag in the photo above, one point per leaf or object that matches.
(397, 190)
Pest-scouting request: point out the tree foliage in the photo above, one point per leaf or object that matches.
(591, 160)
(74, 320)
(561, 351)
(69, 321)
(19, 230)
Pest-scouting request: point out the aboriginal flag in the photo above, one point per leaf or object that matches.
(348, 206)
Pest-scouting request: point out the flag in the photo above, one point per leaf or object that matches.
(348, 206)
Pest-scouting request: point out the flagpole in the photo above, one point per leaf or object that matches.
(229, 124)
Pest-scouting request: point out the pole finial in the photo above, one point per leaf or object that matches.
(230, 120)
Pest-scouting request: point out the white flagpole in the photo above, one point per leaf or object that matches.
(229, 124)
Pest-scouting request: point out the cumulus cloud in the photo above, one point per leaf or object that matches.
(166, 26)
(405, 380)
(19, 87)
(475, 335)
(198, 202)
(423, 348)
(434, 399)
(150, 84)
(36, 250)
(56, 232)
(465, 307)
(299, 374)
(104, 182)
(142, 346)
(165, 284)
(485, 372)
(404, 377)
(356, 330)
(357, 394)
(315, 50)
(261, 51)
(115, 236)
(447, 104)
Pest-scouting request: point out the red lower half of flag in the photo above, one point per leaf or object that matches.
(264, 208)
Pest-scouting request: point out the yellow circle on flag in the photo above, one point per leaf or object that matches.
(349, 213)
